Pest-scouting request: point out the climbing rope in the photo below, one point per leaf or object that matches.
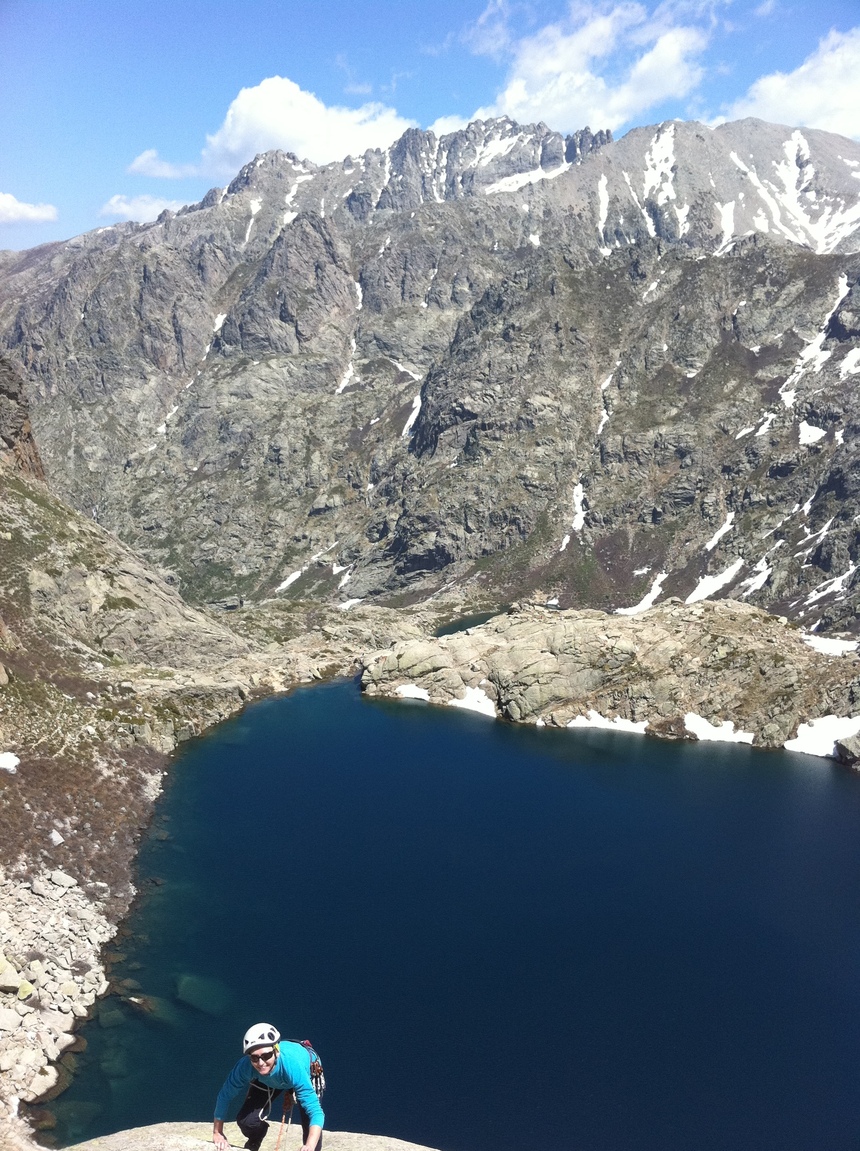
(289, 1098)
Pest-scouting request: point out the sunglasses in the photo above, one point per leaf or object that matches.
(261, 1056)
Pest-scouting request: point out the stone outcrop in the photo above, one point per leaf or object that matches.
(197, 1136)
(724, 662)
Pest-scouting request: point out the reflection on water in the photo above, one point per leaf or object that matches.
(596, 939)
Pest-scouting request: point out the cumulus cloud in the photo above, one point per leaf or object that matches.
(446, 124)
(277, 113)
(149, 163)
(140, 208)
(824, 92)
(603, 66)
(14, 211)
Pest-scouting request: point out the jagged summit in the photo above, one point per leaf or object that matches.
(503, 358)
(679, 180)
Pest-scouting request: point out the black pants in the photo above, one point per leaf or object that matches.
(255, 1110)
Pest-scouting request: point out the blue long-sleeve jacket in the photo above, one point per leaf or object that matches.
(292, 1072)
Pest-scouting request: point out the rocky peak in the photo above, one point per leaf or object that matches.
(502, 358)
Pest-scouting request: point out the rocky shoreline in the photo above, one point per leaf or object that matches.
(51, 974)
(719, 670)
(745, 674)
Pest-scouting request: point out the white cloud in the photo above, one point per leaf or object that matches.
(490, 35)
(824, 92)
(14, 211)
(446, 124)
(277, 113)
(603, 66)
(149, 163)
(140, 208)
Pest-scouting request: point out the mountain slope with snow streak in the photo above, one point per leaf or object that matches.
(504, 360)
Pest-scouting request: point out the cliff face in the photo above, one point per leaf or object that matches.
(17, 446)
(502, 361)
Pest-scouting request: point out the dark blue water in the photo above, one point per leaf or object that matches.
(498, 936)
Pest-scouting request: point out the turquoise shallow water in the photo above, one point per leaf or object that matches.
(493, 934)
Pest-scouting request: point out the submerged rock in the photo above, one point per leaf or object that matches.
(204, 994)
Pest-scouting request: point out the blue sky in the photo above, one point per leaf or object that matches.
(114, 110)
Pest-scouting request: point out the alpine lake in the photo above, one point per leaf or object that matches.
(493, 935)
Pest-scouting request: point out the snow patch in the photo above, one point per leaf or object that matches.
(831, 586)
(219, 320)
(659, 162)
(727, 224)
(475, 699)
(413, 416)
(709, 585)
(813, 356)
(9, 762)
(809, 433)
(724, 733)
(720, 532)
(291, 579)
(255, 206)
(618, 723)
(834, 221)
(851, 364)
(402, 368)
(522, 179)
(534, 239)
(828, 646)
(578, 521)
(345, 379)
(649, 599)
(494, 148)
(649, 223)
(348, 603)
(413, 691)
(820, 735)
(761, 574)
(603, 205)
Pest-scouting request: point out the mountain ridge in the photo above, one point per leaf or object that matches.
(267, 377)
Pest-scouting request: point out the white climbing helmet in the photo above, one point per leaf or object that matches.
(259, 1035)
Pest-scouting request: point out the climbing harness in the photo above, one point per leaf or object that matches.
(317, 1073)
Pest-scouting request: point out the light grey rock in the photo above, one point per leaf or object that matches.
(847, 751)
(722, 661)
(9, 1020)
(10, 980)
(61, 879)
(195, 1136)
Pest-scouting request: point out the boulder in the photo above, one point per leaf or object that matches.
(202, 993)
(848, 750)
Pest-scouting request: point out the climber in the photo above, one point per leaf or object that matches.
(267, 1069)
